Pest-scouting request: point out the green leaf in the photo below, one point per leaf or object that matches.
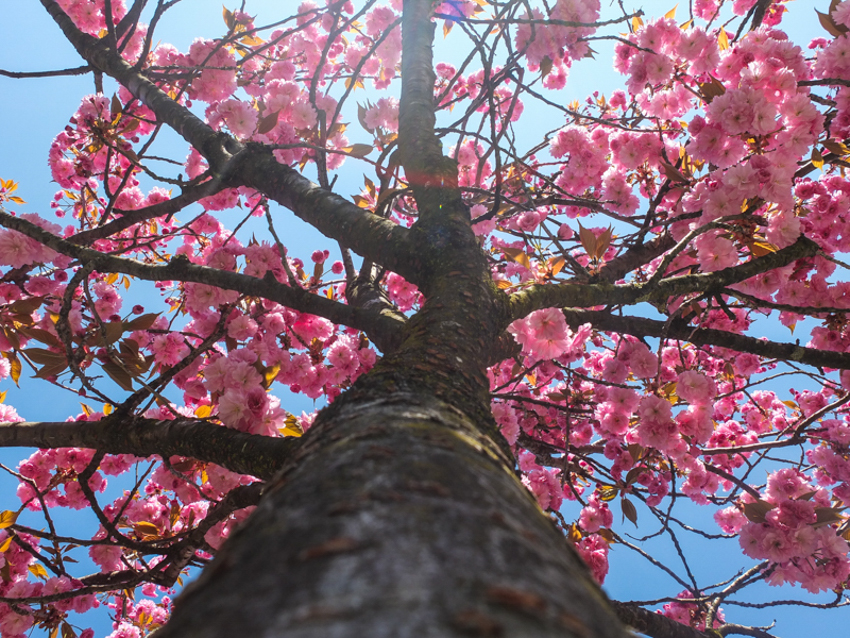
(116, 106)
(26, 306)
(603, 242)
(16, 368)
(608, 493)
(4, 547)
(292, 427)
(836, 147)
(51, 370)
(146, 530)
(39, 334)
(518, 255)
(361, 116)
(37, 570)
(672, 173)
(634, 473)
(635, 451)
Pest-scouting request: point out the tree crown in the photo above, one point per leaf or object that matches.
(595, 296)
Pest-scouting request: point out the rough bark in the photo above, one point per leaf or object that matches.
(397, 517)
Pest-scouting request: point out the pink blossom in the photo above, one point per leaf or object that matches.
(507, 420)
(8, 414)
(242, 327)
(593, 550)
(841, 13)
(715, 253)
(546, 487)
(543, 333)
(240, 117)
(731, 520)
(302, 115)
(125, 630)
(595, 515)
(655, 427)
(695, 387)
(169, 349)
(108, 557)
(783, 229)
(219, 81)
(14, 624)
(18, 250)
(310, 327)
(643, 363)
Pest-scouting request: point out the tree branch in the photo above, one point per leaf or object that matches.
(421, 151)
(79, 70)
(652, 624)
(572, 295)
(128, 218)
(382, 328)
(635, 257)
(638, 326)
(741, 630)
(259, 456)
(431, 175)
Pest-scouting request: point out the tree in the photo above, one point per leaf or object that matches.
(509, 325)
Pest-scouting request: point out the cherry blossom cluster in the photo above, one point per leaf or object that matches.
(717, 145)
(690, 614)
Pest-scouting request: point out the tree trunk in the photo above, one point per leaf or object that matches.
(398, 517)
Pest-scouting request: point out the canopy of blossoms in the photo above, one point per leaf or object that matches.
(673, 255)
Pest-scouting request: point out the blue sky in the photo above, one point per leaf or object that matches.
(33, 111)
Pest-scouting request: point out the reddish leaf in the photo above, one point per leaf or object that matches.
(142, 322)
(588, 240)
(757, 511)
(629, 510)
(358, 150)
(267, 123)
(832, 27)
(119, 375)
